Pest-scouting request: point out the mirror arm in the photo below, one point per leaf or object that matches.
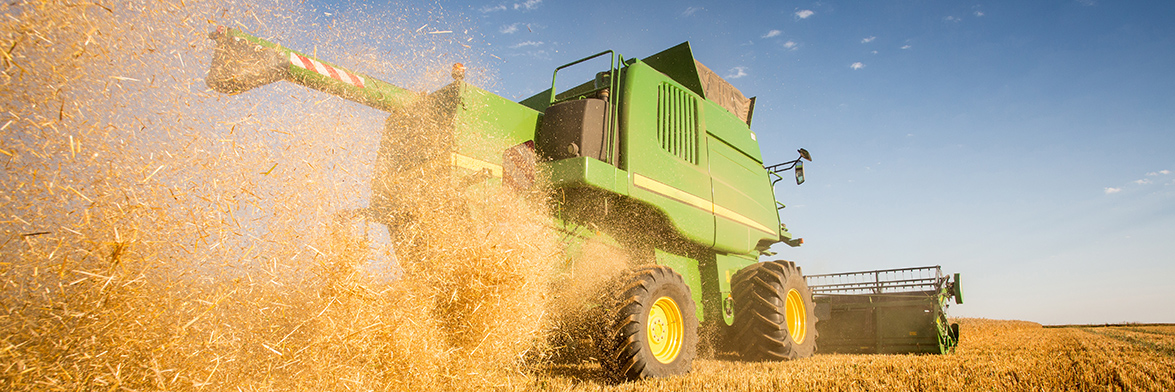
(774, 170)
(779, 167)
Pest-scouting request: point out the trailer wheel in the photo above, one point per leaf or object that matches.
(774, 316)
(650, 329)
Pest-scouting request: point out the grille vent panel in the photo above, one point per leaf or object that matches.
(677, 122)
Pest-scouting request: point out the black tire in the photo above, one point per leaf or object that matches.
(954, 336)
(763, 329)
(630, 348)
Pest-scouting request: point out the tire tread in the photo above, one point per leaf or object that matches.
(759, 330)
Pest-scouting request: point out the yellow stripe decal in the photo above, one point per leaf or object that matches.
(465, 162)
(734, 216)
(671, 192)
(687, 198)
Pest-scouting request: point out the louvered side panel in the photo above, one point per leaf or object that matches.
(677, 125)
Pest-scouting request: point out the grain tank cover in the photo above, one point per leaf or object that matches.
(679, 64)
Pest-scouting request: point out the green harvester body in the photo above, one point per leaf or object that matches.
(654, 157)
(682, 166)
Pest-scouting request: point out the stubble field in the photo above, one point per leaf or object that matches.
(995, 355)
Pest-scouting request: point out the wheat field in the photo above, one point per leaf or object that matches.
(993, 355)
(156, 236)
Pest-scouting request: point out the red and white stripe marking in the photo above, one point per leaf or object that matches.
(326, 70)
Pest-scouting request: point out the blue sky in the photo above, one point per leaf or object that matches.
(1027, 145)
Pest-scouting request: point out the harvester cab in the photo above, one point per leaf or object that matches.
(674, 136)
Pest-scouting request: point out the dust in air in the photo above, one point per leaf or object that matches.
(155, 235)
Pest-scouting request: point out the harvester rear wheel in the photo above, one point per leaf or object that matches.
(774, 316)
(650, 329)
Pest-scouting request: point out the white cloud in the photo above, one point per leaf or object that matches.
(525, 44)
(509, 29)
(1164, 172)
(906, 46)
(529, 4)
(737, 72)
(979, 13)
(690, 11)
(772, 33)
(1087, 3)
(1143, 181)
(874, 52)
(952, 19)
(790, 45)
(1113, 190)
(857, 65)
(868, 40)
(488, 9)
(804, 14)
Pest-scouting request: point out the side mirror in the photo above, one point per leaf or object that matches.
(800, 172)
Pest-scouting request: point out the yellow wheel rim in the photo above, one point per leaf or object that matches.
(665, 329)
(797, 316)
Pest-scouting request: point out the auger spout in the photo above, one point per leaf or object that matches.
(242, 62)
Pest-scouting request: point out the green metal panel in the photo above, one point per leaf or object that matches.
(722, 124)
(622, 180)
(586, 172)
(681, 189)
(743, 216)
(678, 64)
(575, 235)
(538, 101)
(727, 266)
(688, 268)
(487, 124)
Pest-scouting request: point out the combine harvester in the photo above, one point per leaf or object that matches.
(654, 156)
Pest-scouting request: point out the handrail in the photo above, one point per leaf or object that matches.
(612, 126)
(555, 75)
